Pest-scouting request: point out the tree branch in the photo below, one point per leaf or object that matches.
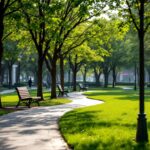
(48, 65)
(6, 36)
(34, 36)
(147, 26)
(8, 4)
(11, 12)
(131, 14)
(46, 48)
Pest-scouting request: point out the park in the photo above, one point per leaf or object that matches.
(74, 74)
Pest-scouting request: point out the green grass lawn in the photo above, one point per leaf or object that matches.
(108, 126)
(11, 100)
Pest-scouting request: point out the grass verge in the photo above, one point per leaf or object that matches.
(9, 101)
(108, 126)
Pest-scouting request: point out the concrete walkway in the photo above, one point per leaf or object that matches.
(13, 90)
(7, 91)
(37, 128)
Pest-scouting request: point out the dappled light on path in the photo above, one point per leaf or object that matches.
(37, 128)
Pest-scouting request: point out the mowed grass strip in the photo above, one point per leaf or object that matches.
(108, 126)
(11, 100)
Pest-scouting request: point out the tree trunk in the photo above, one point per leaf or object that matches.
(62, 72)
(97, 77)
(97, 80)
(51, 66)
(10, 76)
(35, 78)
(138, 76)
(18, 74)
(1, 55)
(7, 77)
(74, 71)
(114, 76)
(48, 79)
(84, 75)
(1, 43)
(135, 75)
(53, 79)
(1, 46)
(69, 77)
(39, 78)
(148, 71)
(74, 79)
(106, 74)
(1, 103)
(2, 74)
(149, 76)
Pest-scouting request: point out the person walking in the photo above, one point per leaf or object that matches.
(30, 82)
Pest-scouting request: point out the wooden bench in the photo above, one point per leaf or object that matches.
(24, 96)
(83, 88)
(61, 91)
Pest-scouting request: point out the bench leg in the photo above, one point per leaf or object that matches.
(18, 104)
(29, 103)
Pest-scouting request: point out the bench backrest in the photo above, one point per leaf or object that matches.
(59, 88)
(23, 92)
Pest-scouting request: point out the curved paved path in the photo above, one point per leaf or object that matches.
(37, 128)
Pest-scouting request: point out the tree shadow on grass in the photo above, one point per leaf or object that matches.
(78, 123)
(113, 144)
(86, 121)
(112, 93)
(132, 98)
(122, 95)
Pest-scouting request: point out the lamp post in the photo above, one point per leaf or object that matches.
(141, 135)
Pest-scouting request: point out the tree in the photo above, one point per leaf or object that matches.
(147, 53)
(7, 7)
(38, 19)
(138, 13)
(75, 40)
(132, 52)
(79, 57)
(84, 71)
(95, 43)
(70, 17)
(10, 56)
(106, 39)
(49, 24)
(29, 66)
(117, 58)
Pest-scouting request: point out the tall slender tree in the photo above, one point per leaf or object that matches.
(37, 23)
(6, 9)
(73, 14)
